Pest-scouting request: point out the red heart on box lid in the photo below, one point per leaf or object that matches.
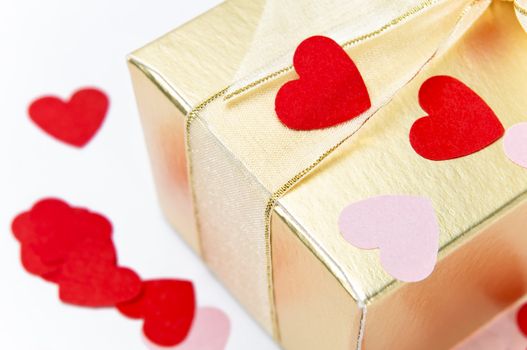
(459, 121)
(330, 89)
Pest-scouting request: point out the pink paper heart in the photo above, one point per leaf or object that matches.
(210, 331)
(404, 228)
(515, 144)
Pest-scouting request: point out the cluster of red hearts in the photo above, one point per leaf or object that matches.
(73, 248)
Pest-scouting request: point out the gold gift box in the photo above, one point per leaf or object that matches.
(480, 200)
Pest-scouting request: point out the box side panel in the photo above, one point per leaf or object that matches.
(314, 310)
(164, 130)
(479, 279)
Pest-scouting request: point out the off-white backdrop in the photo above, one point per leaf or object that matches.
(57, 46)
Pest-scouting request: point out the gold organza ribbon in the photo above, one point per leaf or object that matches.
(520, 6)
(243, 160)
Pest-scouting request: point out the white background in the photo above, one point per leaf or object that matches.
(56, 47)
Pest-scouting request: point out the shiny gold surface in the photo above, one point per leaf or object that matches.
(315, 311)
(199, 58)
(476, 282)
(482, 262)
(163, 126)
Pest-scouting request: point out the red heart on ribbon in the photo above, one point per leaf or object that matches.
(330, 89)
(74, 122)
(167, 308)
(459, 121)
(86, 280)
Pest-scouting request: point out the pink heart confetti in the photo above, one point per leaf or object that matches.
(210, 331)
(404, 228)
(515, 144)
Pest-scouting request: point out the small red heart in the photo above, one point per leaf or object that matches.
(74, 122)
(330, 89)
(521, 319)
(167, 308)
(459, 121)
(88, 281)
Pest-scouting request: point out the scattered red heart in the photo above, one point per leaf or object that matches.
(75, 121)
(89, 281)
(330, 89)
(167, 308)
(52, 230)
(459, 122)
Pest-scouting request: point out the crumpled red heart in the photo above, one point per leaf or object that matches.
(73, 247)
(75, 121)
(459, 121)
(167, 308)
(89, 281)
(330, 89)
(52, 229)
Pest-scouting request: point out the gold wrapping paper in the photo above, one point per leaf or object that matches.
(314, 305)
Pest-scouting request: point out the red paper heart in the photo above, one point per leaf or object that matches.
(521, 319)
(52, 229)
(459, 121)
(73, 247)
(74, 122)
(167, 307)
(330, 89)
(88, 281)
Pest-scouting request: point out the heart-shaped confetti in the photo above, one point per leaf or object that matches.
(52, 230)
(75, 121)
(88, 281)
(404, 228)
(167, 308)
(210, 331)
(515, 144)
(459, 121)
(73, 247)
(330, 89)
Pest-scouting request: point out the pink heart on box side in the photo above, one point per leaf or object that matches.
(515, 144)
(210, 331)
(404, 228)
